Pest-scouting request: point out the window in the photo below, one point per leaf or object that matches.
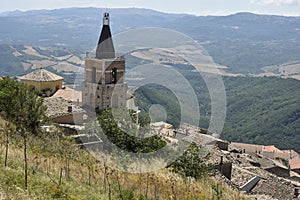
(93, 75)
(114, 75)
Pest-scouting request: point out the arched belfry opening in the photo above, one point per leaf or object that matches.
(114, 75)
(104, 73)
(94, 76)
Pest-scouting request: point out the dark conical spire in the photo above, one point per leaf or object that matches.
(105, 48)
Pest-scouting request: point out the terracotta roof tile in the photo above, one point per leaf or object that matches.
(272, 148)
(295, 163)
(69, 94)
(41, 75)
(292, 152)
(57, 106)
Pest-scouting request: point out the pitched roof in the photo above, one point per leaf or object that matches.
(41, 75)
(295, 163)
(291, 152)
(57, 106)
(272, 148)
(249, 147)
(69, 94)
(202, 139)
(105, 48)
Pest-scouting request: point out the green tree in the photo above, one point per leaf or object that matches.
(123, 139)
(191, 163)
(4, 129)
(21, 106)
(8, 90)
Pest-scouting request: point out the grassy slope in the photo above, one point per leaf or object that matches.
(11, 65)
(47, 155)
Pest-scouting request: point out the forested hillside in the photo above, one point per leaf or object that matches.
(259, 110)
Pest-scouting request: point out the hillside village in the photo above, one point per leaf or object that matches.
(263, 172)
(274, 173)
(237, 163)
(277, 171)
(274, 167)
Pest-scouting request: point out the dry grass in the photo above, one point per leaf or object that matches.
(288, 70)
(86, 178)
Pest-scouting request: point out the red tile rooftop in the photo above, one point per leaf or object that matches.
(292, 152)
(69, 94)
(272, 148)
(295, 163)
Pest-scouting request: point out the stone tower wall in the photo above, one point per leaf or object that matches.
(99, 89)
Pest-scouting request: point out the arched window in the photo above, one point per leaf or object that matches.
(114, 75)
(94, 75)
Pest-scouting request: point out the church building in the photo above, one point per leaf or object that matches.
(104, 86)
(44, 82)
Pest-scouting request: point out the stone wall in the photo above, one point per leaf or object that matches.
(104, 96)
(225, 169)
(100, 71)
(104, 86)
(249, 148)
(72, 118)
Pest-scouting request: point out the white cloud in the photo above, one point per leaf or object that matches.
(274, 2)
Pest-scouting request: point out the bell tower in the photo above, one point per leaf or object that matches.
(103, 86)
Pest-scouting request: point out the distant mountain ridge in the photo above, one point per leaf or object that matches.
(244, 42)
(260, 110)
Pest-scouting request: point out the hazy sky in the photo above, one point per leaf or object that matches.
(198, 7)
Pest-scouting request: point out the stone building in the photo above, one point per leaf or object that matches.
(249, 148)
(43, 81)
(62, 111)
(104, 87)
(70, 95)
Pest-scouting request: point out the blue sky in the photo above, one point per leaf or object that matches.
(198, 7)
